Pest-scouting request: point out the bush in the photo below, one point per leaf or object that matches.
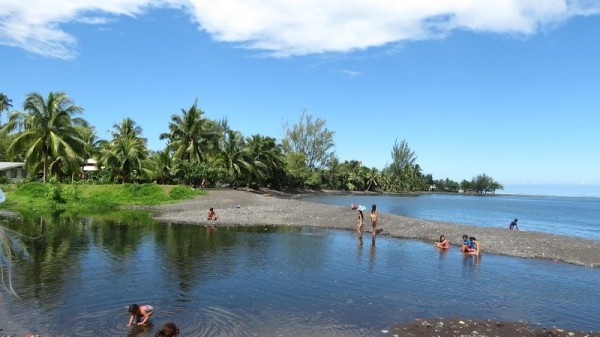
(33, 190)
(180, 192)
(56, 194)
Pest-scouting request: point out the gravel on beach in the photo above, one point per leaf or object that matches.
(249, 208)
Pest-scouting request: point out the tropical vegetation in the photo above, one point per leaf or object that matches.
(55, 142)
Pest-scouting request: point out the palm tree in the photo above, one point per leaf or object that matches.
(127, 127)
(372, 178)
(234, 158)
(126, 155)
(191, 137)
(266, 156)
(47, 132)
(5, 104)
(164, 169)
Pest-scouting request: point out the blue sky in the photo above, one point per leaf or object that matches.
(509, 88)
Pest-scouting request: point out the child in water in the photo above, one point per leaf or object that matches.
(361, 218)
(466, 243)
(140, 312)
(168, 330)
(443, 243)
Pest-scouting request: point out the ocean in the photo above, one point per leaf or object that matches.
(569, 216)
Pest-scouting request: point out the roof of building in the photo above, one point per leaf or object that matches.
(5, 165)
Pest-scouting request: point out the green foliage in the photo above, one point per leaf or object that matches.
(192, 138)
(199, 175)
(56, 193)
(33, 190)
(42, 197)
(181, 192)
(126, 157)
(312, 139)
(200, 152)
(484, 184)
(48, 134)
(146, 194)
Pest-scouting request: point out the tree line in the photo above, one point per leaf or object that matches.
(54, 142)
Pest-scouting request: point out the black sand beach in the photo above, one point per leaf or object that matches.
(248, 208)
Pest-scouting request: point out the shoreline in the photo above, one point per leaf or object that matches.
(252, 208)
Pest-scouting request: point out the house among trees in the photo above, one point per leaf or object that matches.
(89, 166)
(12, 171)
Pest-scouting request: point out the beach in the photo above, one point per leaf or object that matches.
(267, 207)
(249, 208)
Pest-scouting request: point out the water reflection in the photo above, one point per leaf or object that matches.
(270, 281)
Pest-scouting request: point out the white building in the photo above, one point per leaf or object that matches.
(13, 170)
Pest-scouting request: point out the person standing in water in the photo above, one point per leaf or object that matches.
(361, 219)
(513, 224)
(374, 215)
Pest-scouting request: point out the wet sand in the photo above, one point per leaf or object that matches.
(249, 208)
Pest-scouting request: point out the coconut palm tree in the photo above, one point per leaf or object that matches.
(46, 131)
(127, 127)
(5, 104)
(126, 155)
(164, 168)
(191, 137)
(234, 157)
(372, 178)
(266, 156)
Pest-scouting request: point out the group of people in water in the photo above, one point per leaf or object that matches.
(139, 315)
(469, 246)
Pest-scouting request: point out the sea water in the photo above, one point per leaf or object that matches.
(571, 216)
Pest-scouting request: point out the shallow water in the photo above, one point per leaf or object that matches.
(558, 215)
(273, 281)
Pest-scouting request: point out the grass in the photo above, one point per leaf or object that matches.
(91, 198)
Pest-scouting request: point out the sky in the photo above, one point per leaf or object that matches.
(506, 88)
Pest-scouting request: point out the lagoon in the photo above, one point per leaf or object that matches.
(271, 281)
(567, 216)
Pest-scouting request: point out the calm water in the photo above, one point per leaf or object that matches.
(271, 281)
(559, 215)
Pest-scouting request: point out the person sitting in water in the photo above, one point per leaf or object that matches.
(168, 330)
(513, 224)
(211, 214)
(140, 312)
(475, 248)
(466, 245)
(443, 243)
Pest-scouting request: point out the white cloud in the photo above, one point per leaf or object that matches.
(348, 72)
(290, 27)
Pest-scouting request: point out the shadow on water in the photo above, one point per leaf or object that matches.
(80, 274)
